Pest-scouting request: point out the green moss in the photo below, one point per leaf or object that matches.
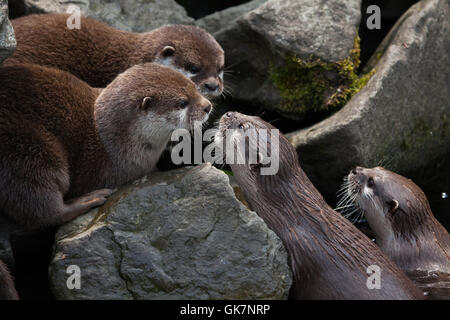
(313, 85)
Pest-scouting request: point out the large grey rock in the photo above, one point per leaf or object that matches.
(7, 39)
(182, 235)
(401, 118)
(134, 15)
(221, 19)
(287, 54)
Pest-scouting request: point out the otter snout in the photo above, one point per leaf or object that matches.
(356, 178)
(201, 110)
(212, 87)
(207, 106)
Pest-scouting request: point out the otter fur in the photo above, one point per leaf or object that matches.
(399, 214)
(96, 53)
(64, 144)
(329, 257)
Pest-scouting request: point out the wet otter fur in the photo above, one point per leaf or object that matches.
(399, 214)
(329, 257)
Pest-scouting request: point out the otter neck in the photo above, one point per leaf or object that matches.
(381, 226)
(128, 155)
(123, 43)
(400, 240)
(141, 48)
(300, 221)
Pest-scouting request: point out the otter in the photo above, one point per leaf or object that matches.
(97, 53)
(64, 145)
(329, 257)
(400, 216)
(7, 289)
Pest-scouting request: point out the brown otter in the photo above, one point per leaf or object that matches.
(60, 139)
(97, 53)
(329, 257)
(7, 289)
(399, 214)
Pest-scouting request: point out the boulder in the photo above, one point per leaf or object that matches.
(135, 15)
(180, 235)
(221, 19)
(295, 57)
(7, 39)
(401, 118)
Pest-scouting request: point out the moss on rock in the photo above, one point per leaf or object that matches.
(312, 85)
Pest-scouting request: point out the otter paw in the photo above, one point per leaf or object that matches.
(97, 197)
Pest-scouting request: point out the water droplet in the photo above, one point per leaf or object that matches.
(444, 195)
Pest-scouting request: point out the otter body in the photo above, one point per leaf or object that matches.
(96, 53)
(61, 140)
(399, 214)
(329, 257)
(7, 289)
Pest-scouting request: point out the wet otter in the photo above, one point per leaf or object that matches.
(64, 145)
(97, 53)
(7, 289)
(329, 257)
(399, 214)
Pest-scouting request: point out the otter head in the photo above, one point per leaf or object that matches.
(141, 108)
(191, 51)
(259, 156)
(392, 204)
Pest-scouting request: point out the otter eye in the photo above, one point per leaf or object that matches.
(193, 69)
(370, 183)
(183, 104)
(241, 126)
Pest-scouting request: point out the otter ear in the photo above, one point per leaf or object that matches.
(146, 102)
(167, 51)
(393, 206)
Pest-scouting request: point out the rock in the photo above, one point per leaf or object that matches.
(182, 235)
(295, 57)
(221, 19)
(401, 118)
(136, 15)
(7, 39)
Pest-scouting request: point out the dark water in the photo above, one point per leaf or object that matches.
(435, 285)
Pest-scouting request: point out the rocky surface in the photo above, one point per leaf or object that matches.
(294, 56)
(7, 39)
(221, 19)
(182, 235)
(401, 118)
(135, 15)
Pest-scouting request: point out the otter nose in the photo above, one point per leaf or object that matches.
(212, 85)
